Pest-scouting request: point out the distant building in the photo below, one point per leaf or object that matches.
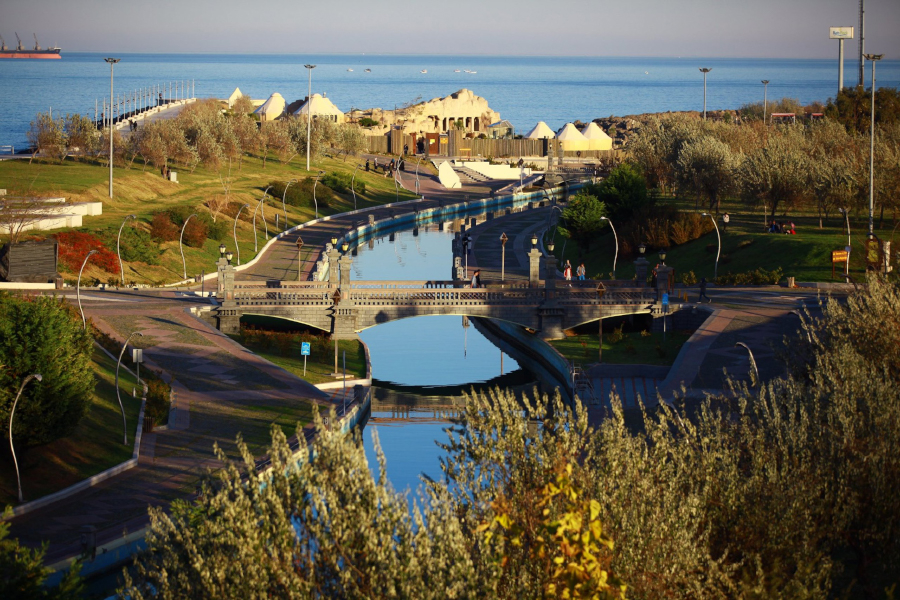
(540, 131)
(321, 108)
(462, 110)
(500, 129)
(271, 109)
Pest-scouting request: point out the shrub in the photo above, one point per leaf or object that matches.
(301, 193)
(162, 229)
(689, 278)
(75, 245)
(758, 277)
(137, 245)
(367, 122)
(195, 233)
(617, 334)
(158, 395)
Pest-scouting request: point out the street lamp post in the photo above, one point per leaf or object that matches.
(704, 70)
(118, 252)
(78, 288)
(616, 237)
(283, 205)
(418, 160)
(752, 362)
(719, 249)
(846, 213)
(765, 83)
(111, 61)
(353, 185)
(299, 259)
(503, 240)
(11, 415)
(309, 68)
(316, 202)
(261, 207)
(874, 58)
(181, 246)
(118, 395)
(234, 230)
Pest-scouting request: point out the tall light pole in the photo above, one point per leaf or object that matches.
(503, 240)
(616, 237)
(111, 61)
(874, 58)
(309, 68)
(118, 395)
(704, 70)
(848, 248)
(283, 206)
(352, 184)
(719, 249)
(765, 83)
(181, 247)
(234, 231)
(118, 252)
(418, 160)
(11, 415)
(316, 202)
(262, 212)
(755, 371)
(78, 287)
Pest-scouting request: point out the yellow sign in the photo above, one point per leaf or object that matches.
(839, 256)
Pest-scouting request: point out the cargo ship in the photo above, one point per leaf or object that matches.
(22, 52)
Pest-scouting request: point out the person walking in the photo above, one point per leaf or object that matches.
(367, 165)
(580, 271)
(703, 291)
(725, 220)
(567, 272)
(476, 278)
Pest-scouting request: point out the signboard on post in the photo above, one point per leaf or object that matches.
(840, 33)
(304, 351)
(137, 357)
(839, 256)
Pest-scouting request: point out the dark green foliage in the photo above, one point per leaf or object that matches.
(624, 192)
(158, 393)
(367, 122)
(617, 334)
(22, 573)
(853, 107)
(301, 192)
(43, 335)
(136, 245)
(582, 219)
(758, 277)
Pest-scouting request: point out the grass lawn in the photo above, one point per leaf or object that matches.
(94, 446)
(319, 364)
(144, 192)
(746, 247)
(632, 349)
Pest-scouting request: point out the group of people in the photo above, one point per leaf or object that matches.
(579, 272)
(779, 227)
(388, 168)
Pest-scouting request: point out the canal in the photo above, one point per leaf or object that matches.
(421, 366)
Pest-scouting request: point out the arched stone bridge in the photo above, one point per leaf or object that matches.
(346, 311)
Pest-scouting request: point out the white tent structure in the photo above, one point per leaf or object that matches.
(571, 139)
(271, 109)
(540, 131)
(237, 93)
(321, 108)
(596, 137)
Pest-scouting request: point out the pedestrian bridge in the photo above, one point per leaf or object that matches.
(359, 305)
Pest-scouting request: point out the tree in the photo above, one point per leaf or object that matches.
(852, 107)
(776, 174)
(81, 135)
(22, 572)
(47, 136)
(43, 335)
(582, 218)
(707, 166)
(623, 192)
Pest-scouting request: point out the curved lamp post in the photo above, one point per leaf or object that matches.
(719, 249)
(352, 184)
(11, 415)
(396, 182)
(262, 206)
(752, 362)
(616, 237)
(283, 206)
(78, 288)
(418, 160)
(234, 230)
(118, 396)
(118, 239)
(316, 202)
(181, 247)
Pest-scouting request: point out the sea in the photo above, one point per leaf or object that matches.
(524, 90)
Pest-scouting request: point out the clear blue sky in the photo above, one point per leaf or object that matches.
(708, 28)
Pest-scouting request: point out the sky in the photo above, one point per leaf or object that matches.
(662, 28)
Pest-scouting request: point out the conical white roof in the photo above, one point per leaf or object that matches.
(237, 93)
(320, 106)
(570, 133)
(540, 131)
(593, 132)
(271, 108)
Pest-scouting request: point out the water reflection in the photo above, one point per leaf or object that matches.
(421, 366)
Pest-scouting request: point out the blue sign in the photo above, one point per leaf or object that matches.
(304, 348)
(665, 299)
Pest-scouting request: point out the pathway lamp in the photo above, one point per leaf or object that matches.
(299, 257)
(353, 185)
(755, 373)
(719, 250)
(118, 252)
(418, 160)
(642, 248)
(765, 83)
(228, 257)
(616, 237)
(320, 173)
(238, 248)
(118, 396)
(534, 240)
(704, 70)
(283, 206)
(12, 413)
(662, 256)
(78, 287)
(503, 240)
(345, 246)
(309, 68)
(111, 62)
(261, 207)
(874, 58)
(181, 245)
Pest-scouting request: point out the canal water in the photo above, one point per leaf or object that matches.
(422, 365)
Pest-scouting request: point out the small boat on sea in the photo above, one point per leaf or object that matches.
(423, 71)
(456, 70)
(350, 70)
(368, 70)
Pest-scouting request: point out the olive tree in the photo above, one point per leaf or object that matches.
(707, 167)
